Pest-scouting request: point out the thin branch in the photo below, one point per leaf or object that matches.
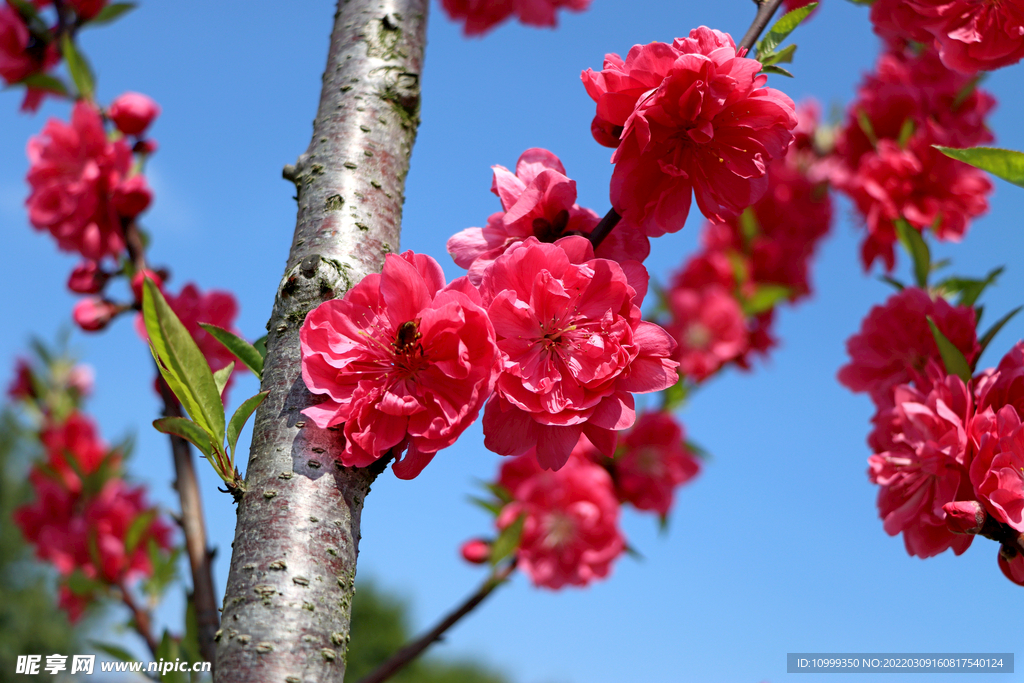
(765, 11)
(142, 618)
(194, 527)
(403, 657)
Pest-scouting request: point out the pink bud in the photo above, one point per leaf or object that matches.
(140, 277)
(81, 379)
(1011, 562)
(147, 146)
(132, 113)
(132, 196)
(476, 551)
(93, 314)
(87, 278)
(964, 516)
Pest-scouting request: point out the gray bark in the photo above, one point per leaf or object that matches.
(288, 601)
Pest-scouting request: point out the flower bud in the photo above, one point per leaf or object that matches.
(964, 516)
(1011, 562)
(140, 277)
(132, 196)
(132, 113)
(87, 278)
(147, 146)
(93, 314)
(476, 551)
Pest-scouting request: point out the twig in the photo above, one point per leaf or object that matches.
(143, 623)
(194, 527)
(408, 653)
(765, 11)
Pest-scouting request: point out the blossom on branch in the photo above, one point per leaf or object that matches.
(403, 361)
(132, 113)
(480, 16)
(687, 118)
(574, 349)
(570, 520)
(539, 200)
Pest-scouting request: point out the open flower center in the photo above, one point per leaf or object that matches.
(697, 336)
(408, 351)
(559, 530)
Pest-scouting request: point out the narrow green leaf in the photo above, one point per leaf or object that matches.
(783, 56)
(508, 540)
(490, 506)
(896, 284)
(764, 298)
(111, 12)
(45, 82)
(987, 338)
(246, 352)
(190, 641)
(188, 430)
(786, 24)
(80, 584)
(241, 416)
(777, 70)
(978, 312)
(914, 243)
(750, 227)
(221, 377)
(952, 357)
(970, 289)
(178, 353)
(115, 651)
(169, 651)
(1002, 163)
(634, 553)
(261, 347)
(499, 491)
(136, 529)
(865, 125)
(78, 67)
(675, 396)
(906, 132)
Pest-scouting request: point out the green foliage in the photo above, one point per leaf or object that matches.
(246, 352)
(380, 626)
(111, 12)
(952, 357)
(30, 622)
(78, 67)
(766, 48)
(1002, 163)
(914, 243)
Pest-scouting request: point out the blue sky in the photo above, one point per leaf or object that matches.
(776, 548)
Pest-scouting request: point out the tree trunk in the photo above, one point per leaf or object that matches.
(288, 602)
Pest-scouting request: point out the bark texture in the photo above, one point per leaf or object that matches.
(288, 602)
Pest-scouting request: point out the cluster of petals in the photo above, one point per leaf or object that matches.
(650, 463)
(884, 156)
(74, 449)
(709, 327)
(80, 185)
(997, 469)
(404, 361)
(89, 533)
(480, 16)
(574, 349)
(925, 466)
(690, 118)
(895, 343)
(570, 517)
(538, 200)
(969, 35)
(23, 55)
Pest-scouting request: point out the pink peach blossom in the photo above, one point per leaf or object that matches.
(997, 470)
(480, 16)
(132, 113)
(704, 125)
(403, 361)
(574, 348)
(93, 314)
(652, 461)
(709, 328)
(570, 531)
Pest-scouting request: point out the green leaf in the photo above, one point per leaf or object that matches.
(45, 82)
(970, 289)
(136, 529)
(778, 70)
(80, 584)
(896, 284)
(178, 354)
(952, 357)
(78, 67)
(865, 126)
(765, 297)
(188, 430)
(190, 641)
(783, 56)
(111, 12)
(675, 395)
(508, 540)
(490, 506)
(169, 651)
(246, 352)
(906, 132)
(221, 377)
(1002, 163)
(914, 243)
(241, 416)
(499, 491)
(786, 24)
(261, 347)
(750, 227)
(115, 651)
(994, 330)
